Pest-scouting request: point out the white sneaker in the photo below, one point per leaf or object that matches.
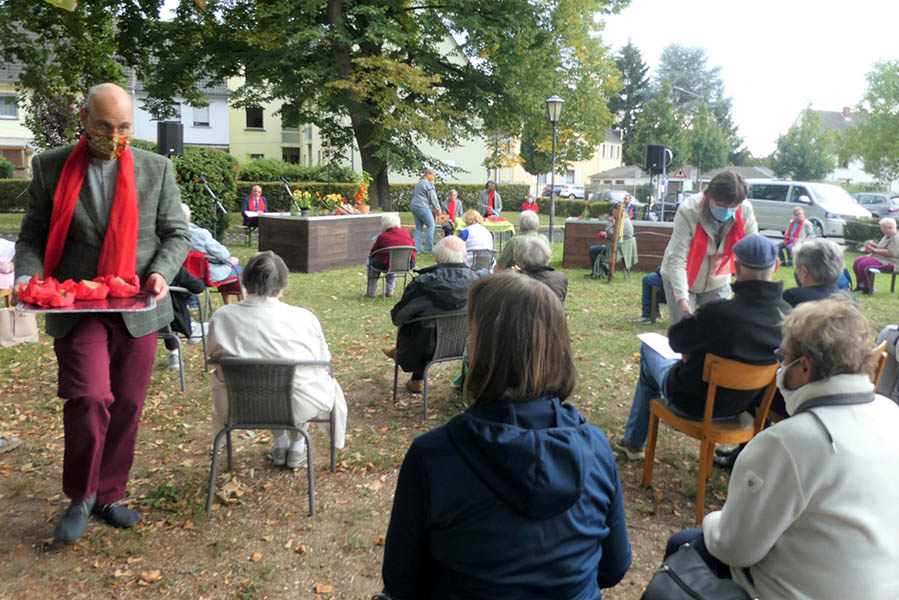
(196, 333)
(296, 457)
(174, 363)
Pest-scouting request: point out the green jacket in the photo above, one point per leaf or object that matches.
(163, 238)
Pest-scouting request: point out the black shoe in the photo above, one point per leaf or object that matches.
(74, 520)
(117, 515)
(721, 451)
(726, 460)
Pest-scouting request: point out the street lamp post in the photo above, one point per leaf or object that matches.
(554, 112)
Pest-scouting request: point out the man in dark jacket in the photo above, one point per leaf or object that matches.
(819, 263)
(745, 328)
(438, 289)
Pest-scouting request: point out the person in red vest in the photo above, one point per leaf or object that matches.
(530, 204)
(799, 230)
(630, 208)
(453, 209)
(255, 202)
(699, 258)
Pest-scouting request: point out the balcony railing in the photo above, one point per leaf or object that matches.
(290, 136)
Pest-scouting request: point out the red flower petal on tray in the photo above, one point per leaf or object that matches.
(119, 288)
(91, 290)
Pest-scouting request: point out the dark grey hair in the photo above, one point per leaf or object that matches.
(532, 251)
(823, 259)
(265, 274)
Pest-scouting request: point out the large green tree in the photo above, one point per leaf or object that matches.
(707, 143)
(876, 138)
(660, 123)
(397, 74)
(635, 91)
(805, 151)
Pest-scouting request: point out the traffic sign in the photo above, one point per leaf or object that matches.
(681, 173)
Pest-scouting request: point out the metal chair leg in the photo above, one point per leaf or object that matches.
(333, 427)
(396, 374)
(309, 470)
(216, 447)
(424, 392)
(230, 453)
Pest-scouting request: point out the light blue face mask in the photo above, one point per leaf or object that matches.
(722, 213)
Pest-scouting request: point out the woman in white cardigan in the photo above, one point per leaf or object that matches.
(811, 509)
(261, 326)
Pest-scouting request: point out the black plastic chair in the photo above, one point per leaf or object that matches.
(452, 338)
(260, 392)
(482, 259)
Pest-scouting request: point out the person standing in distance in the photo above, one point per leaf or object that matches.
(699, 258)
(102, 208)
(424, 200)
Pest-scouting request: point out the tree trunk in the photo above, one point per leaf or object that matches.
(358, 111)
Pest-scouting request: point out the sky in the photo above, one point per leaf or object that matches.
(776, 57)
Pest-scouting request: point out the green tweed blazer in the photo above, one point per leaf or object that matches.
(163, 239)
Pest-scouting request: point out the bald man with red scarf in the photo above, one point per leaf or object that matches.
(103, 208)
(699, 259)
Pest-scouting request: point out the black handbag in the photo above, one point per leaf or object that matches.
(685, 576)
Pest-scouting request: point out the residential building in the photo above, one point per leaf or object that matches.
(202, 125)
(15, 138)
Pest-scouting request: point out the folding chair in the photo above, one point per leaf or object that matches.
(726, 373)
(248, 231)
(400, 263)
(482, 259)
(452, 337)
(197, 264)
(260, 392)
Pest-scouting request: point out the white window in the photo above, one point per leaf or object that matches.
(8, 108)
(307, 133)
(602, 150)
(569, 177)
(201, 116)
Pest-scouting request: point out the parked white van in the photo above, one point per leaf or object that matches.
(828, 206)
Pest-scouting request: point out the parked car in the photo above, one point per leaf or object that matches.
(881, 204)
(566, 190)
(827, 206)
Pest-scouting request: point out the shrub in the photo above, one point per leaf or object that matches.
(7, 170)
(269, 169)
(859, 230)
(220, 170)
(575, 208)
(12, 195)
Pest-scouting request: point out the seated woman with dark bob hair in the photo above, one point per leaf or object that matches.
(811, 503)
(519, 496)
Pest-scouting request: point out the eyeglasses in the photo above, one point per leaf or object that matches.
(780, 356)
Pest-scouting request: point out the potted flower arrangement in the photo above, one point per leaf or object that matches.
(329, 202)
(361, 199)
(303, 201)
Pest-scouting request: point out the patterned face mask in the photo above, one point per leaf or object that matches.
(108, 147)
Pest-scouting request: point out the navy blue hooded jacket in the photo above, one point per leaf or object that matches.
(508, 501)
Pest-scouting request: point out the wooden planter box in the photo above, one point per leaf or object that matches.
(652, 239)
(313, 244)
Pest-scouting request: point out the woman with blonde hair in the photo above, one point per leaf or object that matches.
(476, 236)
(519, 496)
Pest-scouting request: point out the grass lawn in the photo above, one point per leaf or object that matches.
(259, 541)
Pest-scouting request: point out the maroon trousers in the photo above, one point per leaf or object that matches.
(104, 374)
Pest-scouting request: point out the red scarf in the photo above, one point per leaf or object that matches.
(451, 209)
(253, 204)
(699, 248)
(793, 233)
(118, 255)
(490, 198)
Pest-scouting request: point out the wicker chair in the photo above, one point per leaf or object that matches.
(260, 394)
(452, 337)
(400, 263)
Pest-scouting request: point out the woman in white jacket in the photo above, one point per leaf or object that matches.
(811, 509)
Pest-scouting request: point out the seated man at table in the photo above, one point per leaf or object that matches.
(439, 289)
(261, 326)
(745, 328)
(255, 202)
(528, 222)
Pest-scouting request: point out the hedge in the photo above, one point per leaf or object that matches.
(12, 195)
(7, 170)
(860, 230)
(270, 169)
(575, 208)
(401, 193)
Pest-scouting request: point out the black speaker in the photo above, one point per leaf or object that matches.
(170, 138)
(655, 157)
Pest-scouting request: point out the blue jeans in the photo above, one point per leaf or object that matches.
(595, 251)
(785, 253)
(653, 371)
(423, 217)
(649, 281)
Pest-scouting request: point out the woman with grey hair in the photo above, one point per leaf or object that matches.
(489, 202)
(883, 257)
(261, 326)
(811, 503)
(532, 256)
(819, 264)
(528, 224)
(379, 262)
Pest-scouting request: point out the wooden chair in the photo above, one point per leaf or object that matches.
(260, 396)
(400, 263)
(452, 338)
(197, 264)
(717, 372)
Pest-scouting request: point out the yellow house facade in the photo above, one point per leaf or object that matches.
(15, 138)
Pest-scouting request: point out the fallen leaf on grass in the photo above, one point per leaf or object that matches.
(288, 545)
(301, 549)
(256, 557)
(379, 541)
(151, 576)
(324, 588)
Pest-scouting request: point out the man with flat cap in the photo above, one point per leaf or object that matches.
(745, 328)
(102, 208)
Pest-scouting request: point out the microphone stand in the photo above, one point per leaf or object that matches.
(212, 195)
(290, 193)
